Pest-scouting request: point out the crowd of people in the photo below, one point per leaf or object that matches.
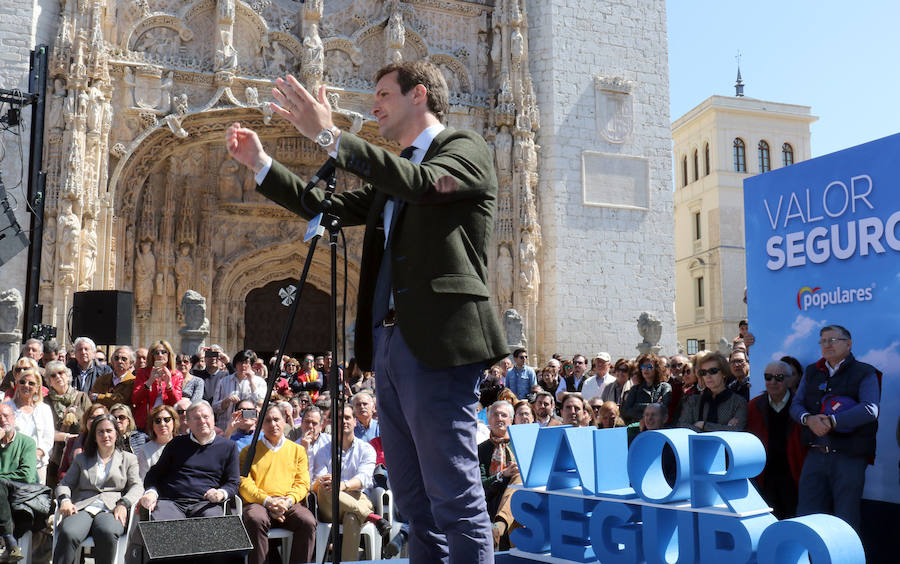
(167, 433)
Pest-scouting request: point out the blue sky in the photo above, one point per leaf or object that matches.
(836, 57)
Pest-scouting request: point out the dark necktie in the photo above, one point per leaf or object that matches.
(381, 302)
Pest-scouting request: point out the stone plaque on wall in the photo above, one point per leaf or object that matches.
(615, 181)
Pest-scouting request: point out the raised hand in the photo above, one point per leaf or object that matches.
(244, 146)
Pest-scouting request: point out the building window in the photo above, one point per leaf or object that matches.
(740, 160)
(706, 160)
(764, 163)
(696, 166)
(697, 231)
(700, 292)
(787, 152)
(684, 176)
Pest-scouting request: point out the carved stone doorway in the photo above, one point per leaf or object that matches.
(265, 316)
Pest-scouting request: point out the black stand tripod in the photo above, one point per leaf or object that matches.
(324, 221)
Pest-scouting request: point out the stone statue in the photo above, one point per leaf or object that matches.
(181, 104)
(226, 55)
(252, 96)
(55, 118)
(395, 34)
(196, 325)
(503, 152)
(650, 328)
(11, 308)
(312, 59)
(47, 249)
(505, 285)
(68, 229)
(725, 347)
(89, 253)
(230, 189)
(165, 93)
(95, 111)
(514, 328)
(184, 269)
(130, 84)
(529, 279)
(144, 274)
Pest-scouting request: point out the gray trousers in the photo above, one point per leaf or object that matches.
(104, 528)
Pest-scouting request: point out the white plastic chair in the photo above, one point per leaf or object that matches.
(368, 534)
(121, 545)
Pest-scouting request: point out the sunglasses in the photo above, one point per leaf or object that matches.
(712, 371)
(596, 407)
(19, 368)
(121, 417)
(646, 367)
(159, 420)
(160, 352)
(777, 377)
(180, 411)
(27, 383)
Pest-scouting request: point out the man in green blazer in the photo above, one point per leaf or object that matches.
(424, 320)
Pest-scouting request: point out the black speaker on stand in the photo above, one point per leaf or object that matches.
(103, 315)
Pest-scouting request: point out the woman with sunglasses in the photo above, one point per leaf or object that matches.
(96, 495)
(157, 383)
(34, 418)
(651, 389)
(689, 381)
(8, 385)
(68, 406)
(717, 408)
(163, 422)
(191, 387)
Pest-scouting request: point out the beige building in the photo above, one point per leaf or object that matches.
(717, 145)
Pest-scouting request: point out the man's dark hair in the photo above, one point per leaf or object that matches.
(411, 73)
(743, 323)
(51, 347)
(518, 351)
(842, 330)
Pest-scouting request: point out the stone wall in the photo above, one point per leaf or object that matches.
(603, 265)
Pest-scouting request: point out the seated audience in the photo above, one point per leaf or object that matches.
(311, 436)
(524, 413)
(498, 470)
(654, 417)
(274, 492)
(68, 406)
(651, 389)
(244, 384)
(96, 495)
(357, 467)
(74, 445)
(769, 418)
(159, 382)
(717, 408)
(364, 411)
(34, 418)
(243, 423)
(192, 387)
(84, 366)
(574, 411)
(607, 417)
(116, 386)
(17, 463)
(544, 409)
(163, 420)
(132, 438)
(195, 473)
(181, 407)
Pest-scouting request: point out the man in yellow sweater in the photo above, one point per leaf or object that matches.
(274, 490)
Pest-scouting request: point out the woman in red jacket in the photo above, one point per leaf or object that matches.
(156, 384)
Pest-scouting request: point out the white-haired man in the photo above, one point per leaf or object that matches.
(85, 369)
(364, 411)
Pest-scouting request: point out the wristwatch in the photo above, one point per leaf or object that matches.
(326, 137)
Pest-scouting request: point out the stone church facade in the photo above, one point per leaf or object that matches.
(142, 196)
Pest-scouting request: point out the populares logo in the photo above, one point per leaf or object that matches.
(816, 297)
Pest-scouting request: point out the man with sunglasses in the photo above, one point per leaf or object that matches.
(768, 417)
(521, 377)
(837, 404)
(118, 385)
(575, 382)
(740, 369)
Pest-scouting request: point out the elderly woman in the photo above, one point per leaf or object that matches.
(75, 445)
(524, 413)
(191, 387)
(132, 437)
(9, 380)
(157, 383)
(607, 416)
(68, 406)
(96, 495)
(717, 408)
(163, 423)
(34, 418)
(689, 381)
(244, 384)
(651, 389)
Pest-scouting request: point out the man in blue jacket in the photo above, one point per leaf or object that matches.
(837, 404)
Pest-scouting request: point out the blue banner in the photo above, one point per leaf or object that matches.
(823, 247)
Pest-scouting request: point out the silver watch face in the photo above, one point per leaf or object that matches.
(325, 138)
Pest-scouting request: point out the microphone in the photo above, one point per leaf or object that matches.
(324, 172)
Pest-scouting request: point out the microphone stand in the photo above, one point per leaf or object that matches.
(332, 225)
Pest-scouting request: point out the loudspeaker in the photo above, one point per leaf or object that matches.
(103, 315)
(215, 538)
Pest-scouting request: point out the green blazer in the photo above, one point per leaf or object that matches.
(438, 246)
